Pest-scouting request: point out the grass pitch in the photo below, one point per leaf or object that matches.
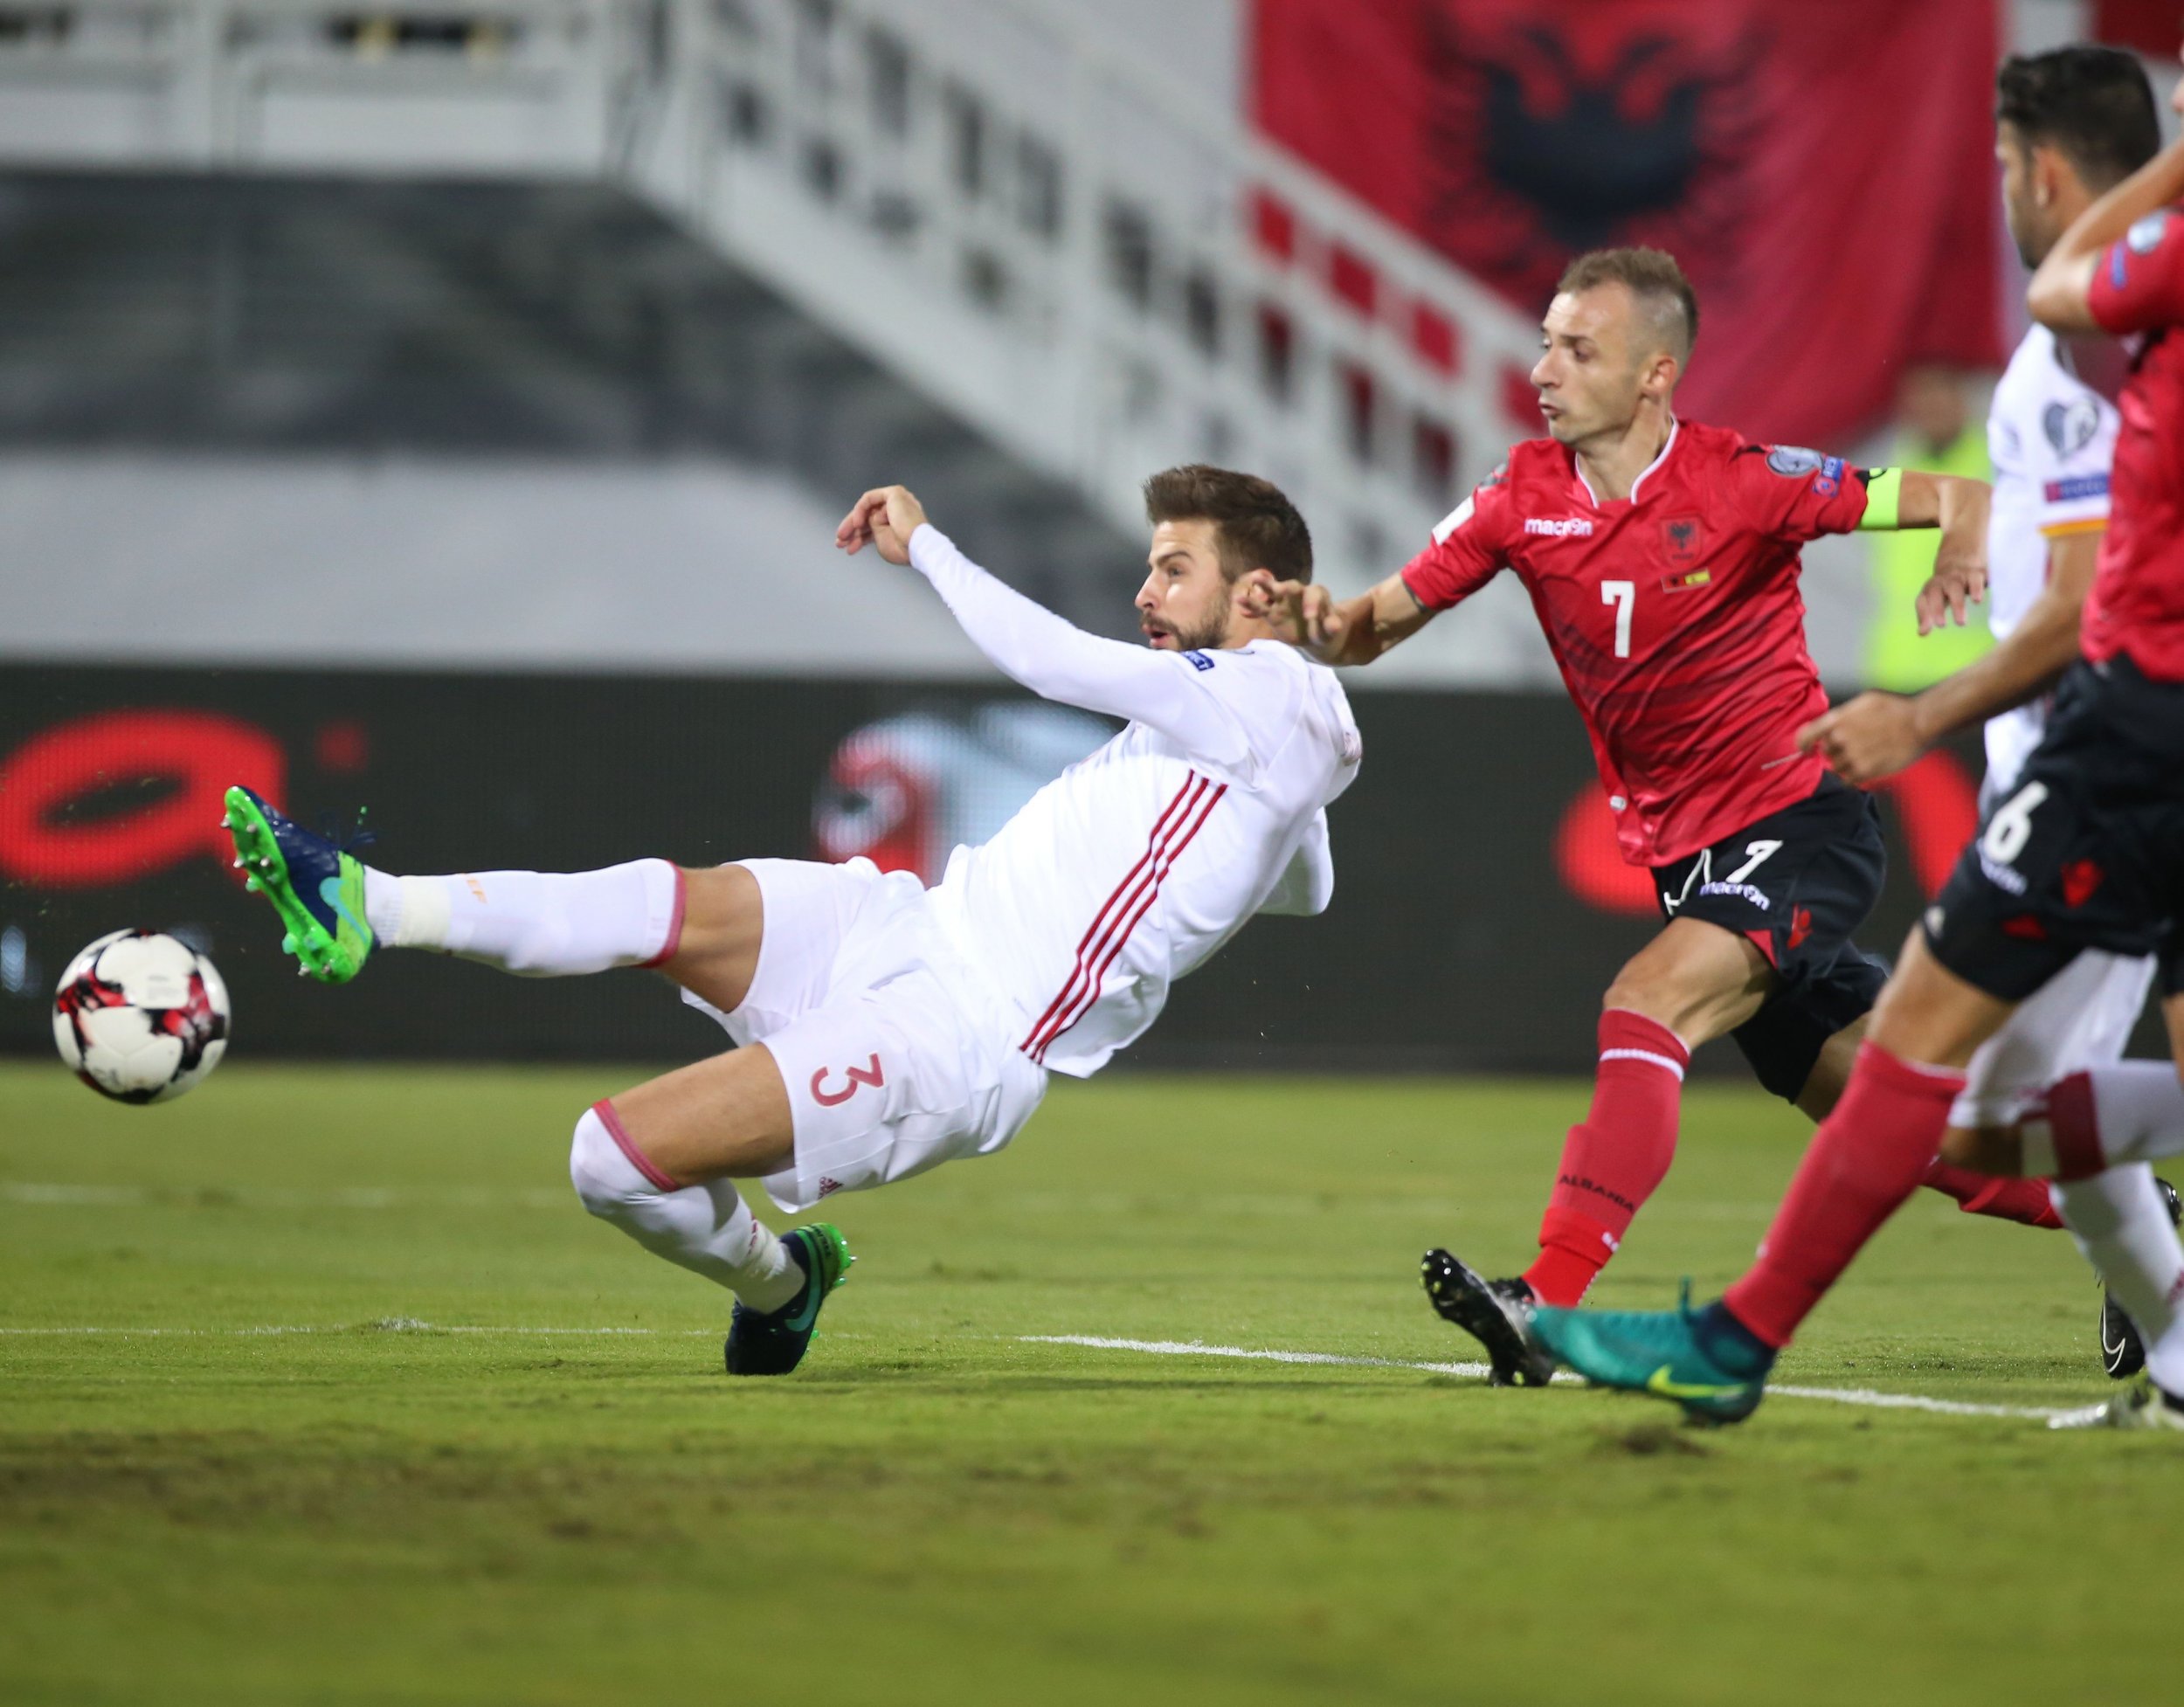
(408, 1503)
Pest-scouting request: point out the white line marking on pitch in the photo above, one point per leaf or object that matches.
(1865, 1396)
(392, 1324)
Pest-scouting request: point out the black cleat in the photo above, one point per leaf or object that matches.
(2123, 1353)
(1495, 1313)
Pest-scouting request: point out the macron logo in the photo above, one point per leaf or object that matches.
(1572, 527)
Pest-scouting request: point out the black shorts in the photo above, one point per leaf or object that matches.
(2087, 851)
(1797, 883)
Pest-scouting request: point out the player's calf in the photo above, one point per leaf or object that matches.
(779, 1283)
(536, 925)
(706, 1228)
(714, 953)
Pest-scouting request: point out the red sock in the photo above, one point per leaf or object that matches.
(1866, 1159)
(2005, 1199)
(2074, 1128)
(1612, 1162)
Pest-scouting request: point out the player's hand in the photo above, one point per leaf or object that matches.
(1872, 737)
(1302, 613)
(886, 517)
(1958, 582)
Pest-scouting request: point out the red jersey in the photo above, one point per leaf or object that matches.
(1673, 615)
(2137, 603)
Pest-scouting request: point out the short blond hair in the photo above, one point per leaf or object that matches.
(1652, 277)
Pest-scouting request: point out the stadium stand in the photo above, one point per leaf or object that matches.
(1099, 269)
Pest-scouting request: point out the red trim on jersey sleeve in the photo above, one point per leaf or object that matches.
(2139, 281)
(1469, 551)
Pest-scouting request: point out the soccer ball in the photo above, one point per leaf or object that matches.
(140, 1016)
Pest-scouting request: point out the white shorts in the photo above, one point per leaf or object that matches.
(893, 1062)
(2081, 1017)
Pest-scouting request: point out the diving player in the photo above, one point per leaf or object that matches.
(887, 1027)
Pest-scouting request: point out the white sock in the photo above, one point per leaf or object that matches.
(2140, 1108)
(2122, 1224)
(708, 1229)
(532, 923)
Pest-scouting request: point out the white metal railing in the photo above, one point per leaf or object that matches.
(991, 196)
(511, 86)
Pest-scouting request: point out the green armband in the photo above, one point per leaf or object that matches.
(1883, 490)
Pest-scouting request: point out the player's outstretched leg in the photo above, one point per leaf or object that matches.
(316, 888)
(1497, 1313)
(536, 924)
(779, 1283)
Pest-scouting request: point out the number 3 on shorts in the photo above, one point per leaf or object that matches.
(2011, 827)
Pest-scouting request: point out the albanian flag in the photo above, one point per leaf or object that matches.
(1825, 174)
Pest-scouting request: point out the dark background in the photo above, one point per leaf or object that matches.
(1456, 940)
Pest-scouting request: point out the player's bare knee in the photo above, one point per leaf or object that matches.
(718, 902)
(1637, 990)
(1666, 1001)
(715, 951)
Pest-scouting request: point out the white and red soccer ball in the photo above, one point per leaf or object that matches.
(140, 1016)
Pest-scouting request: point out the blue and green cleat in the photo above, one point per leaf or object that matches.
(316, 887)
(1677, 1355)
(773, 1342)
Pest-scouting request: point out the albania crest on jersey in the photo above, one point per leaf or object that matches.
(1683, 540)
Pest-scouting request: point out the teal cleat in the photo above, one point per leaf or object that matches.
(317, 888)
(1658, 1352)
(772, 1342)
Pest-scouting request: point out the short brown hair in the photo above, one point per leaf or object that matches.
(2093, 103)
(1652, 276)
(1254, 526)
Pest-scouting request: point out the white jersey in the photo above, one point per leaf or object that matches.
(2051, 437)
(1137, 863)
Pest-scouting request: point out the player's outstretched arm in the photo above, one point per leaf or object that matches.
(1911, 498)
(1351, 631)
(1054, 658)
(1877, 735)
(2060, 295)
